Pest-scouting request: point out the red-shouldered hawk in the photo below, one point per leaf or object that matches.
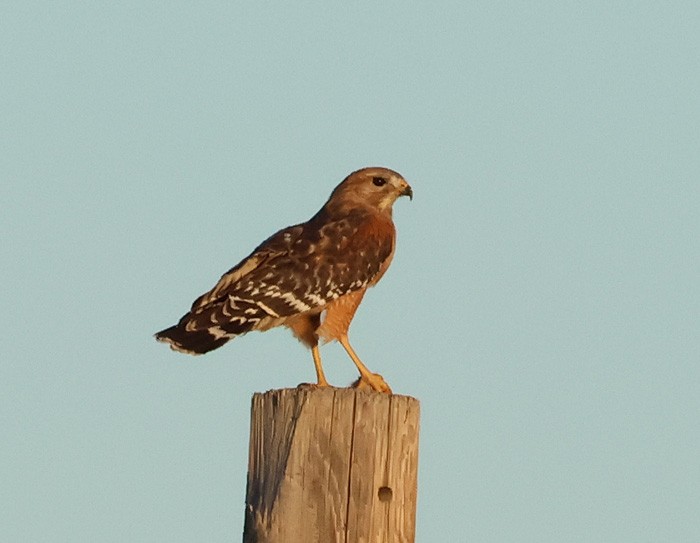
(309, 277)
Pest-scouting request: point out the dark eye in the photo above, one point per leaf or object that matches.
(379, 181)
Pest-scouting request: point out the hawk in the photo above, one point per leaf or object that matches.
(309, 277)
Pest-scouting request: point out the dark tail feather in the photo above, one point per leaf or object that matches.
(197, 342)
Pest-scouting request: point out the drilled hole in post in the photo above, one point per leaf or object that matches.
(384, 494)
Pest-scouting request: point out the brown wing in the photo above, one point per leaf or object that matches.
(297, 270)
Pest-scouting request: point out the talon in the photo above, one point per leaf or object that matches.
(373, 381)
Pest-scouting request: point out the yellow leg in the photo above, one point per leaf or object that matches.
(320, 376)
(374, 380)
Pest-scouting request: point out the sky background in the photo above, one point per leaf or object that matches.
(543, 304)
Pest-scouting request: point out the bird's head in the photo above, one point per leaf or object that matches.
(375, 187)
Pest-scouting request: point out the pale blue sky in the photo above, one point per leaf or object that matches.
(543, 304)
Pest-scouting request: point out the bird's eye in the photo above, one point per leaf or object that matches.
(379, 181)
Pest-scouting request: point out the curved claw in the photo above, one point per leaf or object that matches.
(373, 381)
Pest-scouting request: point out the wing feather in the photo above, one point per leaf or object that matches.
(276, 245)
(299, 269)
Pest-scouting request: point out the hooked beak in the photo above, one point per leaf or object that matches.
(408, 191)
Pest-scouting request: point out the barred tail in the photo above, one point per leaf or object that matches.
(196, 342)
(209, 327)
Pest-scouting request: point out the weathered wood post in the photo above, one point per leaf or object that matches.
(332, 466)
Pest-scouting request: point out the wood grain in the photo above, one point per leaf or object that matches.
(332, 466)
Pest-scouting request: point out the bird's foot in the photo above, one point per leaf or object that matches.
(373, 381)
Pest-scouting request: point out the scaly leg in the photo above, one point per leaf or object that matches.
(374, 380)
(320, 376)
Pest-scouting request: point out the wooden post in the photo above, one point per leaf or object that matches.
(332, 465)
